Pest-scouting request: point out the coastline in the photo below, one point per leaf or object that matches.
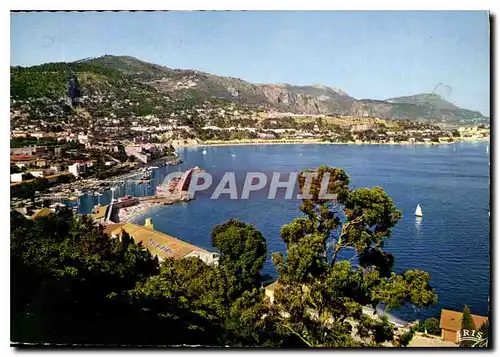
(315, 142)
(144, 208)
(134, 212)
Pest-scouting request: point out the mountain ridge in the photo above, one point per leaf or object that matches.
(311, 99)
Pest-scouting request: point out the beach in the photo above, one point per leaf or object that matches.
(128, 214)
(193, 143)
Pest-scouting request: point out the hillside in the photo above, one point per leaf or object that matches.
(314, 99)
(431, 99)
(153, 87)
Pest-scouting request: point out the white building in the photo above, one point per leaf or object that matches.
(37, 173)
(77, 168)
(17, 177)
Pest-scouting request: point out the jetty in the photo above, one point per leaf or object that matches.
(127, 208)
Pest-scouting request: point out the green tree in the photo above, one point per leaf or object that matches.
(467, 324)
(485, 331)
(243, 251)
(321, 292)
(430, 326)
(69, 280)
(405, 338)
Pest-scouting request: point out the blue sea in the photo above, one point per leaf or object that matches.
(450, 182)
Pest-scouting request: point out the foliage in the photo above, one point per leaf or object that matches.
(31, 141)
(321, 293)
(485, 330)
(430, 326)
(243, 251)
(73, 284)
(467, 324)
(404, 339)
(68, 277)
(27, 190)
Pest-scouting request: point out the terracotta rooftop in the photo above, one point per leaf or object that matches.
(158, 243)
(101, 212)
(41, 213)
(21, 158)
(272, 286)
(108, 229)
(452, 320)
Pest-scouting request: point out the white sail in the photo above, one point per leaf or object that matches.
(418, 211)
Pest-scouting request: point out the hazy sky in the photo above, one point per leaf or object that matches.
(374, 55)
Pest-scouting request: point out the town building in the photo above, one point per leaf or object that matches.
(269, 291)
(37, 173)
(451, 324)
(138, 152)
(160, 244)
(25, 151)
(361, 127)
(77, 169)
(19, 177)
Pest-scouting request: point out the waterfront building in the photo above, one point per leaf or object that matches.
(77, 168)
(19, 177)
(42, 213)
(160, 244)
(269, 291)
(451, 324)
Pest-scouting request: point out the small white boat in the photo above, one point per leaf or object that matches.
(204, 152)
(233, 155)
(487, 149)
(418, 211)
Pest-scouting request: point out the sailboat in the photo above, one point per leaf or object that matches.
(204, 152)
(487, 149)
(418, 211)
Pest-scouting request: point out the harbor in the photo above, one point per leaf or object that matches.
(128, 207)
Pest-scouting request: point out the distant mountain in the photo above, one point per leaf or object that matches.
(312, 99)
(430, 99)
(437, 105)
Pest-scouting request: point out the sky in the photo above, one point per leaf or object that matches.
(375, 55)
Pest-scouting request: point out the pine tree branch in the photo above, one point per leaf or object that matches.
(299, 335)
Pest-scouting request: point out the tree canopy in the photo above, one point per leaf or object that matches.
(467, 324)
(71, 283)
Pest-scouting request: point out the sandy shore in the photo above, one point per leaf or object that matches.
(135, 211)
(316, 142)
(420, 340)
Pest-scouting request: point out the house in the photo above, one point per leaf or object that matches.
(361, 127)
(41, 162)
(18, 134)
(25, 151)
(37, 173)
(77, 168)
(99, 215)
(160, 244)
(265, 136)
(451, 324)
(19, 177)
(25, 159)
(55, 168)
(269, 290)
(38, 134)
(41, 213)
